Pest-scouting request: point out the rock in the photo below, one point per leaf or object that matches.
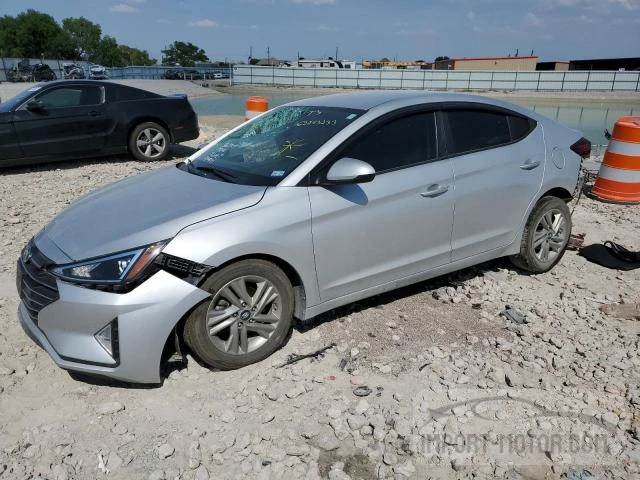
(356, 380)
(119, 429)
(165, 451)
(297, 450)
(194, 455)
(356, 422)
(31, 451)
(228, 417)
(271, 394)
(157, 475)
(406, 469)
(457, 464)
(60, 472)
(328, 441)
(338, 475)
(354, 352)
(267, 417)
(6, 371)
(390, 457)
(114, 461)
(384, 369)
(334, 413)
(202, 473)
(610, 419)
(296, 391)
(361, 407)
(109, 408)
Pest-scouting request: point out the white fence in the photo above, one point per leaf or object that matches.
(438, 79)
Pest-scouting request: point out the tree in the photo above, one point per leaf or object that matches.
(108, 53)
(184, 54)
(441, 59)
(33, 34)
(134, 56)
(254, 61)
(84, 34)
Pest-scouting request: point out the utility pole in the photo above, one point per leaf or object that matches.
(337, 54)
(250, 54)
(268, 56)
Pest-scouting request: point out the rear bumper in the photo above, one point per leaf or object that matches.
(184, 134)
(145, 317)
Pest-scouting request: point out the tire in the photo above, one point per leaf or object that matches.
(209, 329)
(545, 236)
(148, 142)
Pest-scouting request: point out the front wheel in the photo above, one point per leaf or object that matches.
(247, 318)
(545, 236)
(149, 141)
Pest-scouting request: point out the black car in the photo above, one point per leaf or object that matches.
(192, 75)
(172, 75)
(41, 72)
(84, 118)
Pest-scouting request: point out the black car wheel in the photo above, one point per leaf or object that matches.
(248, 316)
(149, 141)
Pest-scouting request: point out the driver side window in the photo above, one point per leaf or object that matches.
(398, 143)
(70, 97)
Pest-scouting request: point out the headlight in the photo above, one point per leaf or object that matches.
(116, 268)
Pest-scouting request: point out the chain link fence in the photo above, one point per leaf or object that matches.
(21, 70)
(594, 81)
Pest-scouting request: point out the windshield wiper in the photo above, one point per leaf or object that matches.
(216, 172)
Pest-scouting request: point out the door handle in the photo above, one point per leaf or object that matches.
(94, 113)
(530, 164)
(435, 190)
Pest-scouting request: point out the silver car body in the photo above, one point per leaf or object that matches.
(340, 244)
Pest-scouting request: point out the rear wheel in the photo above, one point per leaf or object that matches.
(149, 141)
(545, 236)
(248, 317)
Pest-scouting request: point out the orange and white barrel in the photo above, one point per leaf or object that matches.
(255, 106)
(618, 180)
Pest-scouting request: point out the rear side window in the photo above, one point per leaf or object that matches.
(520, 127)
(398, 143)
(471, 130)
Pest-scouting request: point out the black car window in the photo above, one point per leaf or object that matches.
(401, 142)
(74, 96)
(471, 130)
(520, 127)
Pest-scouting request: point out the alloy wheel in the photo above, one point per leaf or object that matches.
(243, 315)
(151, 143)
(550, 236)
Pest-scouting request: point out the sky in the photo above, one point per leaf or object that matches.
(363, 29)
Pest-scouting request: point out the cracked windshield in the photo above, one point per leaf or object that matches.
(267, 149)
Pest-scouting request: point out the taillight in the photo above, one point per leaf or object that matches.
(582, 147)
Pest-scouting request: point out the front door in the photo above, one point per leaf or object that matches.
(71, 120)
(398, 225)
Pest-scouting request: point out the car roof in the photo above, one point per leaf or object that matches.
(390, 98)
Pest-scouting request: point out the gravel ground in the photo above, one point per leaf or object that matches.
(456, 389)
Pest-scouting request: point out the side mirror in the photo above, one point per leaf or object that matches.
(350, 170)
(35, 106)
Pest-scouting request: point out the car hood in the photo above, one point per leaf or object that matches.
(140, 210)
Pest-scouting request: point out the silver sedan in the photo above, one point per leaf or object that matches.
(307, 207)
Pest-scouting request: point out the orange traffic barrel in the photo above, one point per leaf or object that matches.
(255, 106)
(618, 180)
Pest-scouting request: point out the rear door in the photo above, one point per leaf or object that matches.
(72, 120)
(499, 160)
(398, 225)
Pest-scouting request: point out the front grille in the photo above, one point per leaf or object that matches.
(36, 286)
